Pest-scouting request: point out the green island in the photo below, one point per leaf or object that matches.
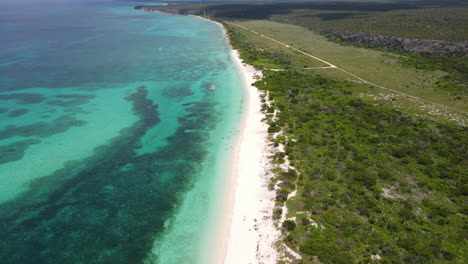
(373, 138)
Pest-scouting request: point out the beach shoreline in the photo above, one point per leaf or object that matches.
(252, 232)
(244, 230)
(247, 232)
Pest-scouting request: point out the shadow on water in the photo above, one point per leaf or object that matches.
(107, 208)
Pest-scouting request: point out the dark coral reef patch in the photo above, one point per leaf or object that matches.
(71, 100)
(24, 98)
(115, 201)
(18, 112)
(15, 151)
(76, 96)
(42, 129)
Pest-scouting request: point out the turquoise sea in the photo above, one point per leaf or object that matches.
(113, 148)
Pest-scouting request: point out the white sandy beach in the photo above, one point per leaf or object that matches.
(246, 234)
(251, 232)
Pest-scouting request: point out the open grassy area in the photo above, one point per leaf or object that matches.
(295, 59)
(379, 67)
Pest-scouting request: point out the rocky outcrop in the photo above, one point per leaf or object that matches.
(415, 46)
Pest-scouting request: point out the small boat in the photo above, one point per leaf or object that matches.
(212, 87)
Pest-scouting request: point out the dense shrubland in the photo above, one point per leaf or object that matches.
(375, 185)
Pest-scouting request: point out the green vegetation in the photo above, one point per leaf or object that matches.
(289, 225)
(379, 185)
(259, 59)
(378, 181)
(457, 66)
(380, 67)
(445, 20)
(411, 19)
(455, 81)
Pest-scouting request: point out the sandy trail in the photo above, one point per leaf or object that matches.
(331, 66)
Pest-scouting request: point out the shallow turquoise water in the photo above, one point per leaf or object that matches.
(112, 147)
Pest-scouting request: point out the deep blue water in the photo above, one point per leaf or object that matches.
(112, 146)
